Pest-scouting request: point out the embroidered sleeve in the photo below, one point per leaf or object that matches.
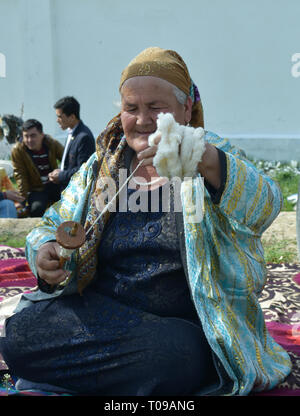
(250, 197)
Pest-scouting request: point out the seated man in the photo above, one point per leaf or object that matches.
(33, 158)
(80, 143)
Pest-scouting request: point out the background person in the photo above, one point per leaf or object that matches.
(80, 144)
(33, 158)
(10, 198)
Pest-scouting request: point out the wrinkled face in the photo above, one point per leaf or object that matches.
(33, 139)
(63, 120)
(143, 98)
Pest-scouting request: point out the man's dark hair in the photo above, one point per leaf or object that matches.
(29, 124)
(68, 105)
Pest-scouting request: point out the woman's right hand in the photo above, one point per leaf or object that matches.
(47, 264)
(149, 153)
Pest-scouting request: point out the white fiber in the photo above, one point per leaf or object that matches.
(192, 149)
(167, 160)
(180, 148)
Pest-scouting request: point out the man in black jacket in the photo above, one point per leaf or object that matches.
(80, 143)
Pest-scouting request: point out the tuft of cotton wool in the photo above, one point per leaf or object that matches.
(192, 149)
(180, 148)
(167, 159)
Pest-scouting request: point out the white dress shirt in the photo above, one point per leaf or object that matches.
(70, 137)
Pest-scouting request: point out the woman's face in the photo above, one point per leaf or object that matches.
(143, 98)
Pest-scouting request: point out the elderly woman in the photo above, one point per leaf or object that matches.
(154, 304)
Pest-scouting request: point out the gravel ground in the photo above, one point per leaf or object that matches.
(284, 227)
(17, 227)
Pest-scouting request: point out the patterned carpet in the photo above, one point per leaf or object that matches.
(280, 301)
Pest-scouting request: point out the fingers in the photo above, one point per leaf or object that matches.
(55, 277)
(54, 176)
(148, 154)
(53, 179)
(19, 198)
(14, 196)
(47, 264)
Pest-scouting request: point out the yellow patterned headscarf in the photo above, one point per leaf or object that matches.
(167, 65)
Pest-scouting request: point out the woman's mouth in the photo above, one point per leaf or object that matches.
(145, 133)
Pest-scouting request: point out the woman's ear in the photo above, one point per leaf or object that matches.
(188, 110)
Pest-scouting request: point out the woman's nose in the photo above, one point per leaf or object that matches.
(143, 117)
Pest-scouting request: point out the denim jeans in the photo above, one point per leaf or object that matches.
(7, 209)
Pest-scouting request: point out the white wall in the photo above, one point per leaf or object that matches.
(239, 53)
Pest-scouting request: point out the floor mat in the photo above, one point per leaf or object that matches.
(15, 277)
(280, 302)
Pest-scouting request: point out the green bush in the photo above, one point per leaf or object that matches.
(286, 175)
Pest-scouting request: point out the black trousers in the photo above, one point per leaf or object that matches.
(39, 201)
